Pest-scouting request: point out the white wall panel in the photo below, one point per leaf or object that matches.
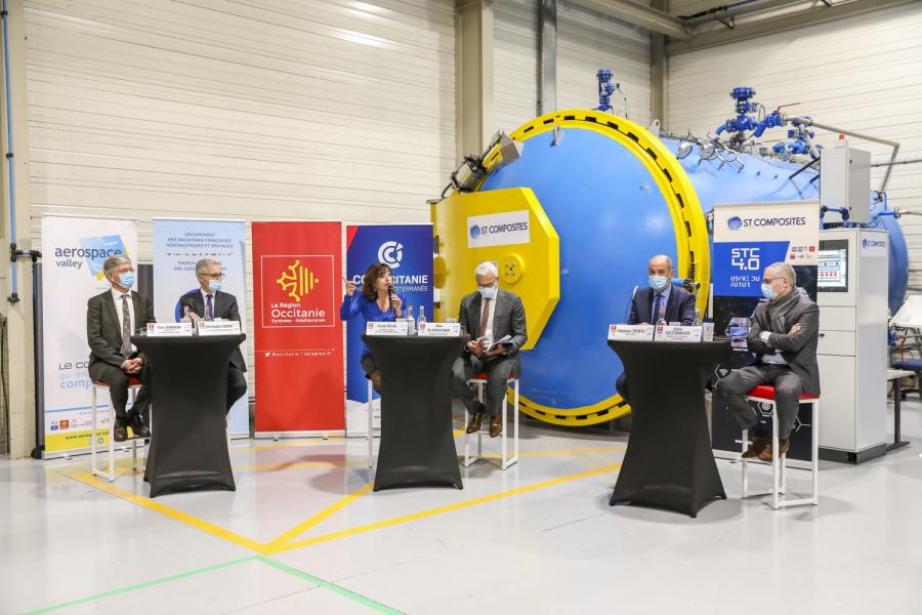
(515, 62)
(586, 42)
(863, 74)
(277, 109)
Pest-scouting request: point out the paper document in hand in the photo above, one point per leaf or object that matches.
(506, 339)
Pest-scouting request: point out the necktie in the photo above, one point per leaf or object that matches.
(209, 309)
(656, 308)
(126, 328)
(484, 317)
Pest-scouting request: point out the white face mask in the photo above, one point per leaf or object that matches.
(489, 292)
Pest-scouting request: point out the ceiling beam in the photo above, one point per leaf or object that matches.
(660, 22)
(783, 23)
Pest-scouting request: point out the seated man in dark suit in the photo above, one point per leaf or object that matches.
(111, 319)
(784, 334)
(489, 314)
(659, 302)
(209, 302)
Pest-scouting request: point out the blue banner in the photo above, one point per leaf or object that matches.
(407, 250)
(738, 266)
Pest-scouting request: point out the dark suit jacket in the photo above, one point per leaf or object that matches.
(225, 307)
(508, 318)
(679, 308)
(104, 326)
(798, 350)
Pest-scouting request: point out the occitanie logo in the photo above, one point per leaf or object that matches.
(297, 281)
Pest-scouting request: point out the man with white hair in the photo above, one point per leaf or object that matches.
(489, 314)
(784, 334)
(111, 319)
(209, 302)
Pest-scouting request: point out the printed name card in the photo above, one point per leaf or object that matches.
(440, 329)
(386, 328)
(169, 329)
(630, 333)
(218, 327)
(677, 333)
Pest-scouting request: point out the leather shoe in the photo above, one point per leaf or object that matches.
(120, 430)
(766, 455)
(138, 428)
(758, 444)
(473, 425)
(496, 425)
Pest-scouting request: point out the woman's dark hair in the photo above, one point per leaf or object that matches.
(371, 276)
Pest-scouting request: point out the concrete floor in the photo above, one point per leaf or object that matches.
(303, 533)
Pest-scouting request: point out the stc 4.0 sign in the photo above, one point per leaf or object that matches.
(302, 294)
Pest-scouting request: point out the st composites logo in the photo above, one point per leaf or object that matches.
(735, 223)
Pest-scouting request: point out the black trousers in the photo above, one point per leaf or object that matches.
(117, 380)
(498, 369)
(734, 387)
(236, 386)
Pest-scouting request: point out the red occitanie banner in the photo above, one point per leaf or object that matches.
(297, 280)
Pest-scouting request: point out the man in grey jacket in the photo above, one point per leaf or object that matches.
(784, 334)
(489, 315)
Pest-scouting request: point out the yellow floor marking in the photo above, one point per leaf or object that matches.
(318, 518)
(361, 529)
(564, 451)
(172, 513)
(290, 465)
(295, 444)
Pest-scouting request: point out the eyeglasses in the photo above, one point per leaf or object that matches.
(767, 281)
(213, 276)
(491, 285)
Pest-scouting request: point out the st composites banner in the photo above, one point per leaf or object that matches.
(297, 279)
(748, 238)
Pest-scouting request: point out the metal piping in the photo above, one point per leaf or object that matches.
(547, 56)
(895, 145)
(14, 277)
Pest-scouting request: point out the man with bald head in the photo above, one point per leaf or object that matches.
(784, 334)
(660, 301)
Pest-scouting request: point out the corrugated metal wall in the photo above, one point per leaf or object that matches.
(586, 42)
(863, 73)
(266, 110)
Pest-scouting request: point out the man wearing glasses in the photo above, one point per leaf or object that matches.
(495, 319)
(209, 302)
(784, 334)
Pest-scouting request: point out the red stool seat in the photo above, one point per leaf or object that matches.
(132, 382)
(483, 376)
(767, 391)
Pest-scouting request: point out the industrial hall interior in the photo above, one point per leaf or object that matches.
(448, 307)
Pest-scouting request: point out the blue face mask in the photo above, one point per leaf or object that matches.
(658, 282)
(127, 279)
(767, 291)
(488, 293)
(214, 285)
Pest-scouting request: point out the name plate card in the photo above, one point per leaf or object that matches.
(169, 329)
(218, 327)
(386, 328)
(439, 329)
(630, 333)
(677, 333)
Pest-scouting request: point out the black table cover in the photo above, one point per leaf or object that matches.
(417, 443)
(669, 463)
(188, 448)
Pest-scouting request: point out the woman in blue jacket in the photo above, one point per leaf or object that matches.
(375, 301)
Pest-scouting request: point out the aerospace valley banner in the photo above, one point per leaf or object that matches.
(74, 250)
(297, 279)
(407, 250)
(748, 238)
(178, 245)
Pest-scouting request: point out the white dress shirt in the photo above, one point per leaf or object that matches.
(205, 303)
(775, 358)
(117, 298)
(483, 305)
